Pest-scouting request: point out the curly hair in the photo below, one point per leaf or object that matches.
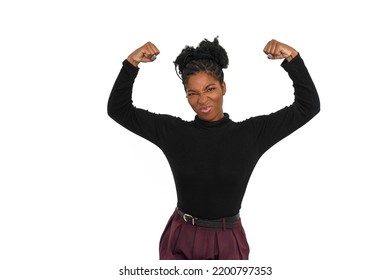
(209, 57)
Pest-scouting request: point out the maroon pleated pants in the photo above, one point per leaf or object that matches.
(183, 241)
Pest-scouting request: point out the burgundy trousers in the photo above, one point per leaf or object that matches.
(184, 241)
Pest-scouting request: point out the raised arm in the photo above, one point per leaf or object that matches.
(120, 104)
(273, 127)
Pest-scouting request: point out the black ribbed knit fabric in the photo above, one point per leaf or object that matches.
(213, 161)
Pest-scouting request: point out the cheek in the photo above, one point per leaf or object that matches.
(192, 104)
(219, 100)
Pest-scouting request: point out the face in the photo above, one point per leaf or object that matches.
(205, 95)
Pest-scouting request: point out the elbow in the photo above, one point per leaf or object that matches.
(309, 109)
(119, 112)
(317, 106)
(111, 112)
(315, 109)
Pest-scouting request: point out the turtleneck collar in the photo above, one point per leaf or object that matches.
(207, 124)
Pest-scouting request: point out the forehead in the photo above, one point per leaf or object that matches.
(200, 80)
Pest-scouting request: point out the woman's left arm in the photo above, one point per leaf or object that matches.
(276, 126)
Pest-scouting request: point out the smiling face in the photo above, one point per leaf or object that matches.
(205, 95)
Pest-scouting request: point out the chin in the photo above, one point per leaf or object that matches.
(203, 117)
(206, 118)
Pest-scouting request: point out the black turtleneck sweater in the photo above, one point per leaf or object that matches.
(212, 162)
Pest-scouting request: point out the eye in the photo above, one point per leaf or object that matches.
(210, 89)
(189, 94)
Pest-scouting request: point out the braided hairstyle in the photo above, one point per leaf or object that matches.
(209, 57)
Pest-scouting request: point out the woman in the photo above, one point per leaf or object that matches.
(211, 157)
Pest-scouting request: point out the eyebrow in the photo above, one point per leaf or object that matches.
(212, 84)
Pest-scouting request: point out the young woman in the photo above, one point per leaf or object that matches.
(211, 157)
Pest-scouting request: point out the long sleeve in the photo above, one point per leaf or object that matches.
(150, 126)
(274, 127)
(120, 102)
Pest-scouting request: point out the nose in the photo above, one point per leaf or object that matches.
(202, 99)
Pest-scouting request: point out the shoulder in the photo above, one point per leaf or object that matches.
(173, 121)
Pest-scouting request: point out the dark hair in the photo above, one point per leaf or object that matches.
(209, 57)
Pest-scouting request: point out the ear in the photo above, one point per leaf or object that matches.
(223, 88)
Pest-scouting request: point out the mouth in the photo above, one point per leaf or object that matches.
(205, 109)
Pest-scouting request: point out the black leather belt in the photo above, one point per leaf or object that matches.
(227, 222)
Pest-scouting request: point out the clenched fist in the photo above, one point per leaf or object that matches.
(146, 53)
(278, 50)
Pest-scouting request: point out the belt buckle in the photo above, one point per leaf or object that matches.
(189, 216)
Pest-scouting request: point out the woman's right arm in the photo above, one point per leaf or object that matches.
(120, 104)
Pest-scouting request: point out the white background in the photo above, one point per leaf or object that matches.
(81, 197)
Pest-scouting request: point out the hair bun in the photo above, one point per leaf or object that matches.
(205, 50)
(214, 50)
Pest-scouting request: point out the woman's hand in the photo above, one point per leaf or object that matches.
(278, 50)
(146, 53)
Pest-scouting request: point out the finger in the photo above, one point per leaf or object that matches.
(271, 49)
(277, 50)
(284, 51)
(277, 56)
(274, 48)
(276, 53)
(267, 47)
(153, 48)
(149, 57)
(150, 52)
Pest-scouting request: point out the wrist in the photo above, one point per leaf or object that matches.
(293, 54)
(132, 61)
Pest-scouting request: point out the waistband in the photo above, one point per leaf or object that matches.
(227, 222)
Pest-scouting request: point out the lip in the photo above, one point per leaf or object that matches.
(205, 109)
